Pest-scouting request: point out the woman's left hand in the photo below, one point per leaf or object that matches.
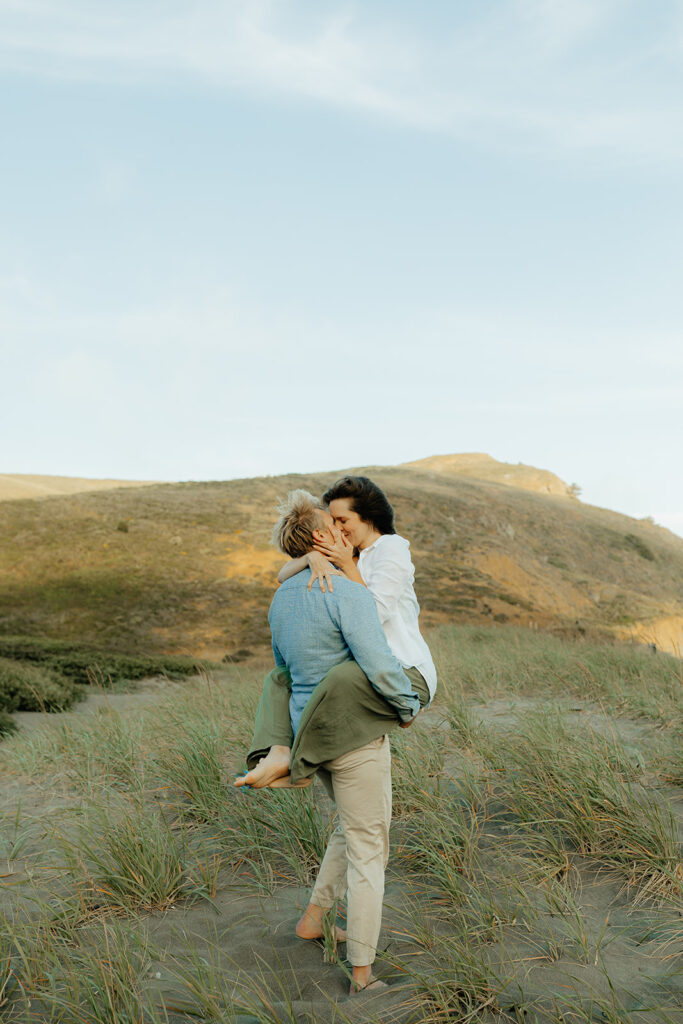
(321, 570)
(341, 552)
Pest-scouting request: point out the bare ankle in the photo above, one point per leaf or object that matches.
(361, 976)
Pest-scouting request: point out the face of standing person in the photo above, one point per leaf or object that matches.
(324, 534)
(359, 533)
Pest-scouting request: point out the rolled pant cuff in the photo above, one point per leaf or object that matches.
(358, 955)
(318, 901)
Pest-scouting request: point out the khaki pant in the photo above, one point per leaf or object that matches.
(359, 782)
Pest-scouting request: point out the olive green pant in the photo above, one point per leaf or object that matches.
(343, 713)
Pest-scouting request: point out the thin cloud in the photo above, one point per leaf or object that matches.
(235, 44)
(522, 75)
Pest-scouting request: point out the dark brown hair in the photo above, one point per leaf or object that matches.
(367, 499)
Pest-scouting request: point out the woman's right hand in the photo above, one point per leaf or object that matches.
(340, 551)
(322, 570)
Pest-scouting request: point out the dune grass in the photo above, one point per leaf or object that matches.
(535, 871)
(485, 664)
(582, 791)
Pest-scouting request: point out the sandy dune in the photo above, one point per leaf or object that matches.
(546, 930)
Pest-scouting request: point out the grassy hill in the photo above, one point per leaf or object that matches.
(186, 568)
(26, 485)
(483, 467)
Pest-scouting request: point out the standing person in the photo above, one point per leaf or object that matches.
(364, 545)
(312, 633)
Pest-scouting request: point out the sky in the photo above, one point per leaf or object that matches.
(250, 237)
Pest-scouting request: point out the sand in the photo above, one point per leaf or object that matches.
(249, 938)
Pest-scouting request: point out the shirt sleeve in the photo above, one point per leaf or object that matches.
(364, 636)
(393, 571)
(279, 660)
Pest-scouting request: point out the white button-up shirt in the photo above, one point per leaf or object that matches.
(388, 572)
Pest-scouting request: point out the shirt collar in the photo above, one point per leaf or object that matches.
(374, 544)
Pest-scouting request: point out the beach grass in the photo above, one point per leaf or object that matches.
(535, 871)
(483, 664)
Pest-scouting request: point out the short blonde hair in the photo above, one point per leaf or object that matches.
(299, 517)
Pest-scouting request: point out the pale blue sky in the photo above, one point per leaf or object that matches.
(245, 238)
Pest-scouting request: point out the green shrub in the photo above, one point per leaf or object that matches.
(33, 688)
(7, 724)
(83, 664)
(631, 541)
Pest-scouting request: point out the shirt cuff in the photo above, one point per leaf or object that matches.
(406, 716)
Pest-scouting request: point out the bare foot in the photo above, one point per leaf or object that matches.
(365, 981)
(286, 783)
(274, 766)
(310, 925)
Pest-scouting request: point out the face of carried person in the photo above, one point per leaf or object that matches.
(358, 532)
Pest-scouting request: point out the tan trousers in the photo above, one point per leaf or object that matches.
(359, 782)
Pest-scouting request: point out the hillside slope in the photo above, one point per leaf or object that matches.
(480, 466)
(187, 568)
(24, 485)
